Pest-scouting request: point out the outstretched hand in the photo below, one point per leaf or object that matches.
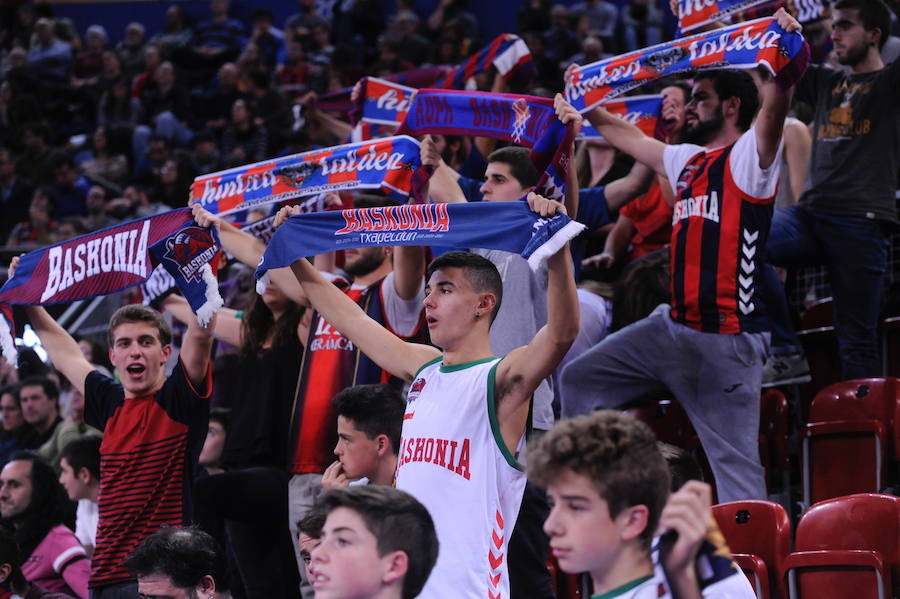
(13, 265)
(566, 113)
(428, 152)
(205, 218)
(284, 214)
(544, 206)
(786, 21)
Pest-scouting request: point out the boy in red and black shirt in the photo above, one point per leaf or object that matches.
(154, 427)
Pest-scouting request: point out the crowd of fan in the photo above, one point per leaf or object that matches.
(94, 133)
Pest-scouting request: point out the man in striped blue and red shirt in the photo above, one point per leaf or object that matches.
(154, 427)
(708, 346)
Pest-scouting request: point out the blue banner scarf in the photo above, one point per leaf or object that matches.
(114, 259)
(515, 118)
(390, 164)
(509, 226)
(694, 14)
(529, 121)
(508, 53)
(641, 111)
(743, 46)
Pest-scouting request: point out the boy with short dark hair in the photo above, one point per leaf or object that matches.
(609, 483)
(79, 465)
(369, 420)
(377, 542)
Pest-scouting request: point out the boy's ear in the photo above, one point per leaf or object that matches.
(383, 444)
(396, 565)
(486, 303)
(632, 521)
(84, 475)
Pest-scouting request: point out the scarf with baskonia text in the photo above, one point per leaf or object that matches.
(743, 46)
(694, 14)
(509, 226)
(114, 259)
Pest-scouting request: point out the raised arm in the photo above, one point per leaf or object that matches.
(409, 271)
(225, 325)
(62, 349)
(386, 349)
(519, 374)
(442, 186)
(635, 183)
(775, 100)
(248, 250)
(196, 345)
(628, 138)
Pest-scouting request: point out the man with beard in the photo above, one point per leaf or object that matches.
(708, 347)
(844, 217)
(34, 508)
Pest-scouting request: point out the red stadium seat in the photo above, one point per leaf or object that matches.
(759, 536)
(845, 443)
(821, 349)
(565, 586)
(847, 548)
(774, 438)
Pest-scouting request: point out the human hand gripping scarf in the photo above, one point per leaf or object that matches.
(114, 259)
(744, 46)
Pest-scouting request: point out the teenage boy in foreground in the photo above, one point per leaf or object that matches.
(467, 410)
(609, 484)
(377, 543)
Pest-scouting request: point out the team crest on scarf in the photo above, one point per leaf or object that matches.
(189, 250)
(523, 113)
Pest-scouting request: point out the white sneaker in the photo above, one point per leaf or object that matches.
(785, 370)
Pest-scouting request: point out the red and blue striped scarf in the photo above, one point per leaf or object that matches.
(114, 259)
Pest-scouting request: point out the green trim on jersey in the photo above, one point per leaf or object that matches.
(463, 365)
(495, 425)
(623, 589)
(426, 365)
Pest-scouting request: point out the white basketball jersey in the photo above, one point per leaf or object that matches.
(453, 459)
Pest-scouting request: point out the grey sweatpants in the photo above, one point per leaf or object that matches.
(715, 377)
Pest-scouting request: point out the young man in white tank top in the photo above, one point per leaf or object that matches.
(466, 410)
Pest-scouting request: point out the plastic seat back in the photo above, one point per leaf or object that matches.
(847, 547)
(762, 530)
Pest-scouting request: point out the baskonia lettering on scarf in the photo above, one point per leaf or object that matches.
(123, 251)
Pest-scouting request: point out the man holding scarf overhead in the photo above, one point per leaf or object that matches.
(708, 347)
(467, 410)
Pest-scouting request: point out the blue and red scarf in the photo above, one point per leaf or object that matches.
(528, 121)
(114, 259)
(641, 111)
(383, 102)
(391, 164)
(694, 14)
(341, 102)
(513, 228)
(743, 46)
(508, 53)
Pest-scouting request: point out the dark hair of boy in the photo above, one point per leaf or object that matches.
(479, 271)
(399, 523)
(83, 452)
(616, 452)
(139, 313)
(374, 410)
(520, 166)
(683, 466)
